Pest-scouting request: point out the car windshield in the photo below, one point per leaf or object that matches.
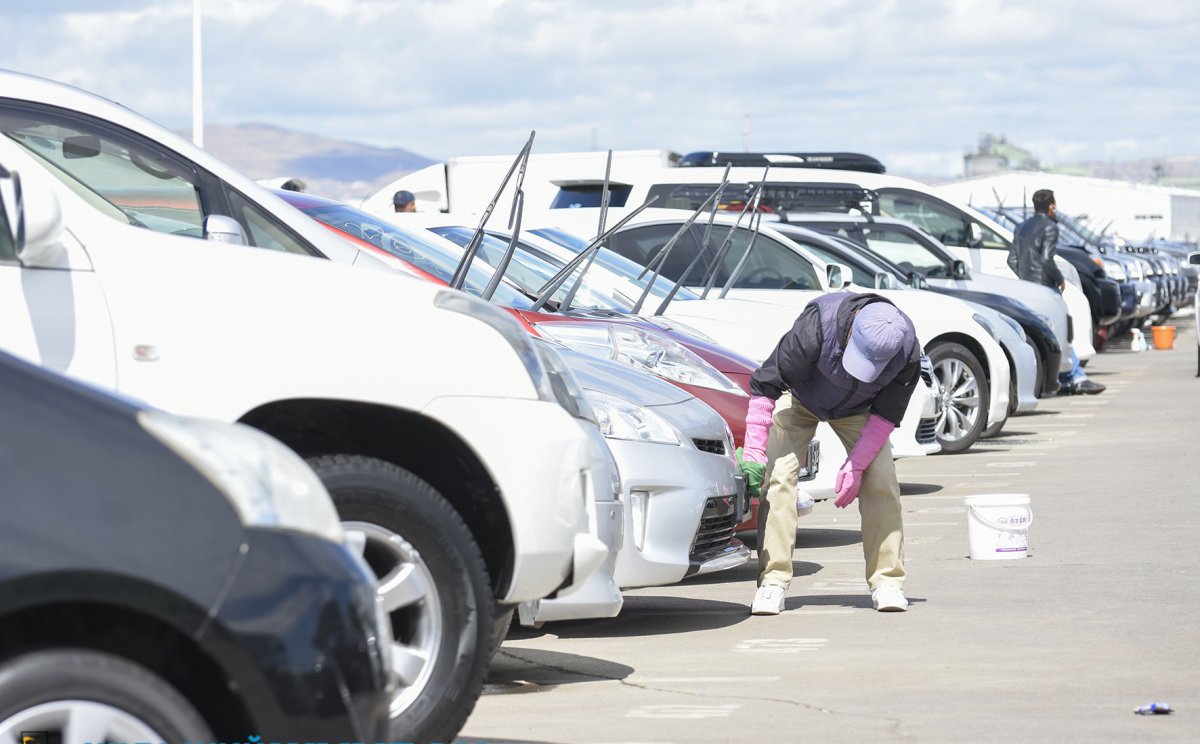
(415, 249)
(526, 271)
(941, 220)
(615, 263)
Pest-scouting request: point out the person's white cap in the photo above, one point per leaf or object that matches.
(876, 336)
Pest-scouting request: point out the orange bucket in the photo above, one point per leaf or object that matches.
(1164, 336)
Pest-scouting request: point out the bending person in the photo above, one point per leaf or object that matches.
(852, 361)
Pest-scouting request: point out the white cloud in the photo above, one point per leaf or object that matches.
(915, 80)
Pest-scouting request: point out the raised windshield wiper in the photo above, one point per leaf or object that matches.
(550, 287)
(712, 216)
(460, 272)
(565, 305)
(724, 248)
(741, 264)
(666, 249)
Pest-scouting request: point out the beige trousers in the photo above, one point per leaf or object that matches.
(878, 501)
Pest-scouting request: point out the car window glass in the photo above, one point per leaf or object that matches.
(118, 175)
(905, 251)
(936, 218)
(858, 274)
(8, 248)
(263, 230)
(615, 263)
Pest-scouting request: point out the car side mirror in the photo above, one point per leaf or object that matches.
(974, 235)
(838, 276)
(884, 280)
(1194, 258)
(958, 268)
(37, 222)
(220, 228)
(917, 280)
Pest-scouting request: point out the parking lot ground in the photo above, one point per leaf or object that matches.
(1060, 646)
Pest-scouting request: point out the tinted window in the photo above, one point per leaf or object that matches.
(590, 195)
(263, 230)
(905, 251)
(8, 250)
(118, 175)
(614, 263)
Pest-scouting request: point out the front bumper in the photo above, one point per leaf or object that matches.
(1024, 372)
(667, 490)
(297, 636)
(539, 458)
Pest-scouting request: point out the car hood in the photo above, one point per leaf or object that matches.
(622, 380)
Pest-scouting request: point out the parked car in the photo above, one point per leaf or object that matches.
(168, 579)
(1194, 260)
(972, 237)
(909, 253)
(152, 268)
(680, 485)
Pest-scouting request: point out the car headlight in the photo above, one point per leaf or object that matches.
(621, 419)
(986, 325)
(267, 483)
(1114, 270)
(550, 376)
(652, 352)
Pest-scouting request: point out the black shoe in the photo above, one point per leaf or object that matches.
(1087, 387)
(1066, 389)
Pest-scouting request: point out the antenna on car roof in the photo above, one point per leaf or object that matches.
(741, 264)
(550, 287)
(666, 249)
(460, 272)
(605, 194)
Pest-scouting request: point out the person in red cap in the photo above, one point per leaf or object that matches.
(850, 360)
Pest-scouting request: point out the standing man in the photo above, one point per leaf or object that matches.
(1031, 257)
(853, 361)
(404, 201)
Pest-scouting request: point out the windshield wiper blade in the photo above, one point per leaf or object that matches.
(666, 249)
(741, 264)
(604, 199)
(464, 264)
(550, 287)
(724, 247)
(712, 216)
(502, 266)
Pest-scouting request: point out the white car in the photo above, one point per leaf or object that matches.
(979, 241)
(467, 490)
(780, 272)
(1193, 259)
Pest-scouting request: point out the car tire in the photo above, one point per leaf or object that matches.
(443, 631)
(500, 626)
(964, 416)
(85, 695)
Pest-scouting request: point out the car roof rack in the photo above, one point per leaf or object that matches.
(854, 161)
(778, 197)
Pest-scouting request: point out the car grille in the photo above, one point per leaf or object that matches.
(716, 530)
(927, 431)
(712, 446)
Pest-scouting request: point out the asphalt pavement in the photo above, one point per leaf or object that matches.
(1060, 646)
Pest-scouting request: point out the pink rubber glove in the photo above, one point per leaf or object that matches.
(870, 441)
(758, 427)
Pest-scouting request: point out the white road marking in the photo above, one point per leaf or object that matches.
(854, 586)
(781, 645)
(977, 485)
(926, 498)
(1025, 464)
(698, 680)
(683, 711)
(908, 524)
(941, 510)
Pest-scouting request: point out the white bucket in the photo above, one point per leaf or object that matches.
(998, 525)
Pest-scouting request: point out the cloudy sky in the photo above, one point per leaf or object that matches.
(911, 81)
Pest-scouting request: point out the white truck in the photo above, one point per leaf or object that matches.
(455, 450)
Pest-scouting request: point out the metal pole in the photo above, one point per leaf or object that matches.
(197, 76)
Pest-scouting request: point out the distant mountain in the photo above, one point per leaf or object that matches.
(335, 168)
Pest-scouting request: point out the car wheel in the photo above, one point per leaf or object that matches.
(434, 585)
(500, 626)
(964, 393)
(76, 695)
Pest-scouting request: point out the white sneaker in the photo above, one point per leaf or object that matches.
(768, 600)
(889, 598)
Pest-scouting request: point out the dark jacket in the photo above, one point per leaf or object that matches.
(808, 362)
(1032, 254)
